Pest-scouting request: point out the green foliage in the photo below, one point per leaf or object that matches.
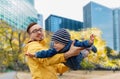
(87, 65)
(11, 47)
(109, 50)
(118, 56)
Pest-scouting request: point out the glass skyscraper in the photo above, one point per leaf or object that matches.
(30, 1)
(40, 19)
(17, 13)
(116, 28)
(53, 23)
(96, 15)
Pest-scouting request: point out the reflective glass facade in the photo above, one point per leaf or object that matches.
(101, 17)
(53, 23)
(40, 19)
(116, 28)
(17, 13)
(30, 1)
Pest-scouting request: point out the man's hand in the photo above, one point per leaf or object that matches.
(73, 51)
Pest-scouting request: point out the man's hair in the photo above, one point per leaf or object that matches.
(30, 25)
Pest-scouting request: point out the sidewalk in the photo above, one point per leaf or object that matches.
(68, 75)
(110, 76)
(91, 75)
(9, 75)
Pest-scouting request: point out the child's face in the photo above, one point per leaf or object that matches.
(58, 46)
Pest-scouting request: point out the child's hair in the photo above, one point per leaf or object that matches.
(61, 36)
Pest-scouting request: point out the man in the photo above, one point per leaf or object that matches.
(44, 68)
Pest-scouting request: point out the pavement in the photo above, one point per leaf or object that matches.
(110, 76)
(91, 75)
(9, 75)
(68, 75)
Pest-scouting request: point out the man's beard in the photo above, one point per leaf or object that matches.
(41, 38)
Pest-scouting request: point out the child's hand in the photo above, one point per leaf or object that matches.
(92, 37)
(30, 55)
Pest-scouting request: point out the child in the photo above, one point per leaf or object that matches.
(61, 43)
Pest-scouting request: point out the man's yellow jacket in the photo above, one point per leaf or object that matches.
(44, 68)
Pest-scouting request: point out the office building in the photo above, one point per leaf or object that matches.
(40, 19)
(17, 13)
(30, 2)
(101, 17)
(116, 28)
(53, 23)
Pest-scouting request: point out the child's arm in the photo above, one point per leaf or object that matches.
(43, 53)
(92, 48)
(86, 43)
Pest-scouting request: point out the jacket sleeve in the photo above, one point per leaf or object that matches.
(46, 53)
(84, 44)
(56, 59)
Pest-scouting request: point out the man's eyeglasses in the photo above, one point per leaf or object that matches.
(37, 30)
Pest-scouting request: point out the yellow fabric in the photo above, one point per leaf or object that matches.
(61, 68)
(42, 68)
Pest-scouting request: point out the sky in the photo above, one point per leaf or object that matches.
(72, 9)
